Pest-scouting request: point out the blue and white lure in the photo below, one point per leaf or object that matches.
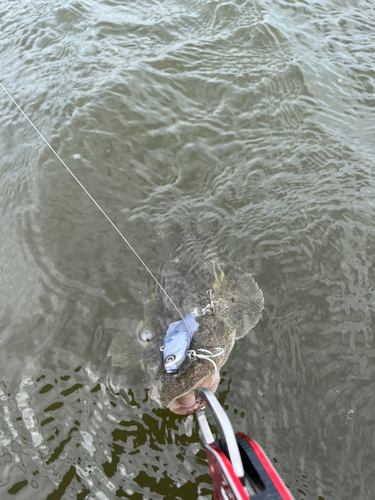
(177, 342)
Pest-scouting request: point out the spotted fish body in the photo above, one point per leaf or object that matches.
(177, 342)
(190, 271)
(195, 278)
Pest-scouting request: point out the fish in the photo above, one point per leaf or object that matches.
(226, 303)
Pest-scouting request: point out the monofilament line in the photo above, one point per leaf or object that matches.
(91, 198)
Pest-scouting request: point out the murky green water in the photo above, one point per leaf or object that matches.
(260, 116)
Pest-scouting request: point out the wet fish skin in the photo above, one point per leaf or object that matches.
(238, 304)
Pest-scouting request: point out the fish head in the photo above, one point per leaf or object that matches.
(176, 391)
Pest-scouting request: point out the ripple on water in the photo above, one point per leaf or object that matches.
(259, 117)
(67, 432)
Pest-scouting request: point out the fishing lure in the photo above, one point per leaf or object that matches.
(177, 342)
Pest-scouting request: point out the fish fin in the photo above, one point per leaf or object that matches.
(125, 351)
(244, 299)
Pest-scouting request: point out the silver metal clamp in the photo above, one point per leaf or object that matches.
(227, 436)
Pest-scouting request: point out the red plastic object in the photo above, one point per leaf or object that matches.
(258, 468)
(227, 486)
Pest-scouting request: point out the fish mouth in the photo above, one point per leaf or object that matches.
(189, 402)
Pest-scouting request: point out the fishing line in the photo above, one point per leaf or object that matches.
(93, 200)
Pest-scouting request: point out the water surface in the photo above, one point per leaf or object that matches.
(259, 118)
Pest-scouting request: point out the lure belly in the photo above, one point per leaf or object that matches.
(177, 342)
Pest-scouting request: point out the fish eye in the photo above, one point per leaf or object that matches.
(147, 334)
(170, 358)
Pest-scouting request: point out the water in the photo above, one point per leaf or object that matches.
(259, 116)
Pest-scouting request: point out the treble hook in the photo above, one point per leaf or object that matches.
(193, 355)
